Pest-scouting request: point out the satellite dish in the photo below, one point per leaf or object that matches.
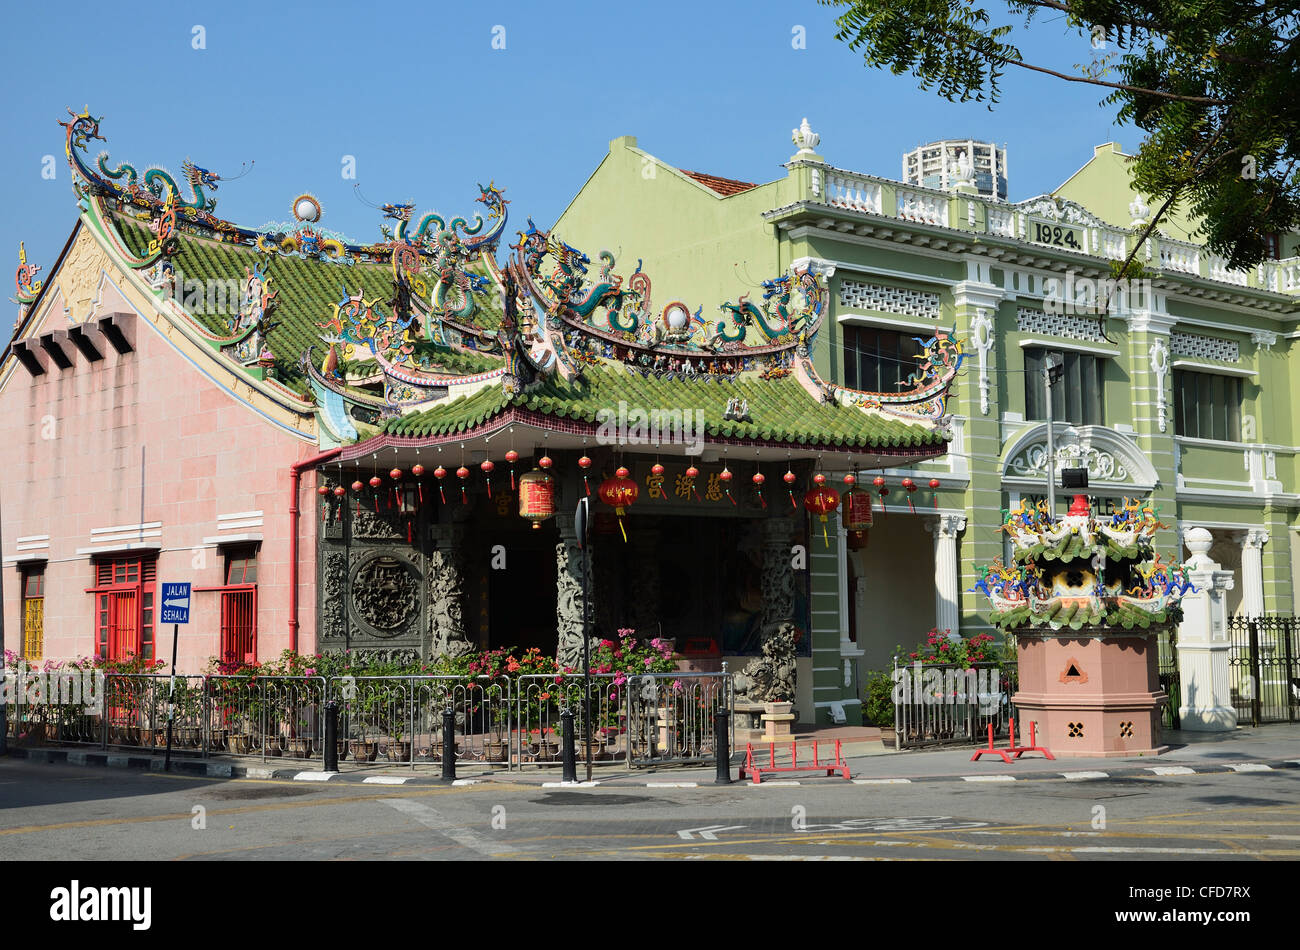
(580, 522)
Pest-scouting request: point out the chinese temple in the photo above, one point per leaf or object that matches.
(426, 410)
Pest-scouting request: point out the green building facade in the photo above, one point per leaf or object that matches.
(1181, 391)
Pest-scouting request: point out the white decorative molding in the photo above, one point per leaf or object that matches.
(1255, 538)
(815, 265)
(1159, 355)
(981, 337)
(1070, 325)
(1139, 211)
(1204, 347)
(1264, 339)
(1108, 455)
(865, 296)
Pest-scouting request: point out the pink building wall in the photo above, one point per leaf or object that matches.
(71, 442)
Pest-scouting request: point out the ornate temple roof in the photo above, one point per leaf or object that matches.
(425, 333)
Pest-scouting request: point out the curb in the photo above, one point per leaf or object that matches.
(209, 769)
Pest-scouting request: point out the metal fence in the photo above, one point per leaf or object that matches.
(944, 704)
(1264, 668)
(1170, 677)
(656, 718)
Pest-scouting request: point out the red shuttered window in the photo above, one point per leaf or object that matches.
(125, 592)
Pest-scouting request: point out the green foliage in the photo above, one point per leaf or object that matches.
(878, 700)
(1210, 83)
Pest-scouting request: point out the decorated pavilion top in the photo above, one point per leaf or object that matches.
(1084, 571)
(428, 316)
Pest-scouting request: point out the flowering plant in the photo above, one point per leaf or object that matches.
(944, 647)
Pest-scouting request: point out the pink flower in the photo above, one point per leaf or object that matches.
(310, 671)
(648, 661)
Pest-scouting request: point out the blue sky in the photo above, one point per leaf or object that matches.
(417, 93)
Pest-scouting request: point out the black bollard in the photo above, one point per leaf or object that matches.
(722, 747)
(331, 736)
(567, 754)
(448, 745)
(4, 729)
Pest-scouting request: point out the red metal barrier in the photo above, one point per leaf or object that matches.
(756, 771)
(1014, 749)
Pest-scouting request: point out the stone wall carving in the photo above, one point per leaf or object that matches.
(385, 593)
(384, 525)
(333, 586)
(778, 575)
(447, 634)
(1100, 464)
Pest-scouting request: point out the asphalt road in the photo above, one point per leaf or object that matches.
(81, 813)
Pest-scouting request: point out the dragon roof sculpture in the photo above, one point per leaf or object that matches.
(428, 317)
(1083, 571)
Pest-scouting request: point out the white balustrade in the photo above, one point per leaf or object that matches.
(1219, 271)
(1180, 256)
(927, 209)
(1001, 222)
(849, 191)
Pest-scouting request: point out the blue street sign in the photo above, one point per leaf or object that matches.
(175, 603)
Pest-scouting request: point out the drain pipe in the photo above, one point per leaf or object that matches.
(296, 471)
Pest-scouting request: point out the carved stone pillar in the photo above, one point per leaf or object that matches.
(946, 572)
(778, 575)
(447, 632)
(1252, 572)
(645, 601)
(568, 593)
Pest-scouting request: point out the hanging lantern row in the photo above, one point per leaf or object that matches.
(821, 501)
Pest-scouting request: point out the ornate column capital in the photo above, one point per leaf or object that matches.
(1150, 321)
(1255, 538)
(947, 527)
(1263, 338)
(970, 293)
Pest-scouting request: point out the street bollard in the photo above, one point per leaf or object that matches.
(331, 736)
(4, 729)
(567, 752)
(722, 747)
(448, 745)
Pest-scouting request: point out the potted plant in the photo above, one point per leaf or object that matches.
(397, 749)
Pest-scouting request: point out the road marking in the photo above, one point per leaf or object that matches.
(1251, 767)
(988, 778)
(261, 773)
(465, 781)
(708, 832)
(1084, 776)
(672, 785)
(773, 785)
(882, 781)
(1172, 770)
(431, 818)
(314, 776)
(592, 784)
(384, 780)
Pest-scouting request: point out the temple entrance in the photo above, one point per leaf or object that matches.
(511, 597)
(695, 579)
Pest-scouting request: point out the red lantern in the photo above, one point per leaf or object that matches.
(618, 492)
(323, 490)
(463, 473)
(758, 480)
(544, 462)
(418, 471)
(656, 469)
(511, 458)
(375, 482)
(934, 487)
(536, 497)
(440, 473)
(487, 468)
(358, 487)
(691, 474)
(395, 474)
(790, 478)
(819, 479)
(339, 492)
(910, 486)
(856, 515)
(725, 477)
(881, 490)
(821, 501)
(850, 480)
(584, 463)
